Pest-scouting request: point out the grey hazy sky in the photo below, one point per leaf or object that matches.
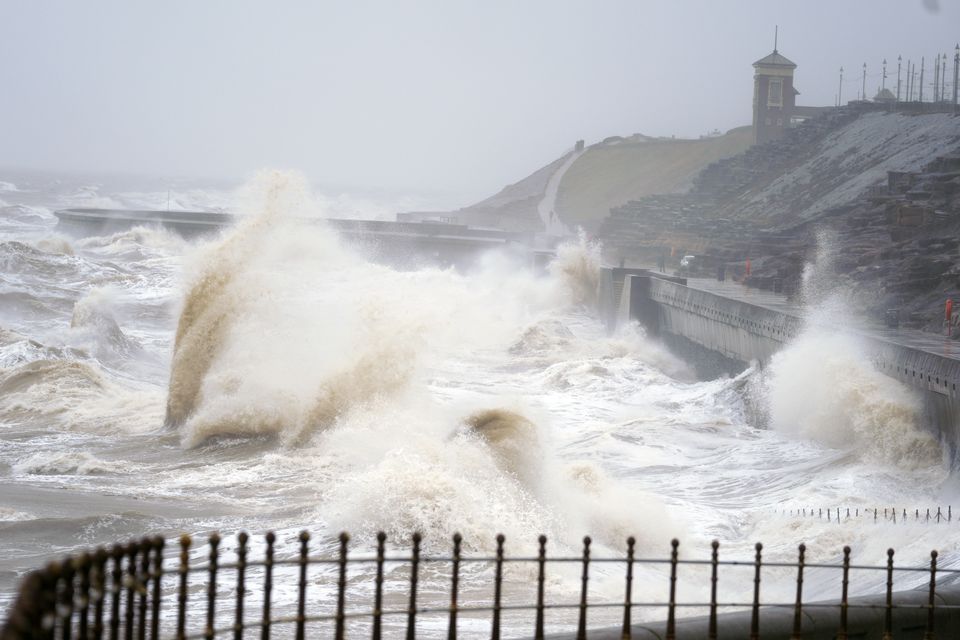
(447, 95)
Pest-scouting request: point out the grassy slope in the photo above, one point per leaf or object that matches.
(610, 175)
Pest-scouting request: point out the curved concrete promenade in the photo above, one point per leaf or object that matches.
(722, 327)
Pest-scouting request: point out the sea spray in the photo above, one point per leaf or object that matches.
(215, 294)
(824, 386)
(93, 322)
(314, 345)
(283, 329)
(577, 265)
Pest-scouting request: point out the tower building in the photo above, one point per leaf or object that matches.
(774, 96)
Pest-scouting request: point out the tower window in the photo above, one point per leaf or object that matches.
(775, 93)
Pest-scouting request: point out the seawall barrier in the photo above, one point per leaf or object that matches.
(720, 334)
(398, 244)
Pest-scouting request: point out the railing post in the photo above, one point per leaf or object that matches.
(302, 586)
(378, 586)
(158, 544)
(142, 583)
(82, 565)
(242, 539)
(183, 571)
(798, 607)
(541, 571)
(930, 634)
(672, 603)
(100, 588)
(454, 587)
(584, 578)
(842, 634)
(714, 565)
(755, 614)
(270, 538)
(497, 589)
(31, 613)
(414, 577)
(341, 586)
(628, 591)
(131, 579)
(214, 543)
(888, 613)
(51, 579)
(68, 572)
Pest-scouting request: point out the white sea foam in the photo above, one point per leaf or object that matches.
(312, 388)
(66, 463)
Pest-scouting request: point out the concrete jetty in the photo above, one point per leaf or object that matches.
(403, 244)
(723, 326)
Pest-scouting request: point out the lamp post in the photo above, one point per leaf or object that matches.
(840, 91)
(936, 78)
(922, 67)
(883, 78)
(899, 62)
(863, 88)
(956, 66)
(909, 80)
(943, 79)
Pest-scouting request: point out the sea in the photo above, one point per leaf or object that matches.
(274, 377)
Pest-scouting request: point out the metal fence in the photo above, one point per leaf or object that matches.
(857, 515)
(149, 589)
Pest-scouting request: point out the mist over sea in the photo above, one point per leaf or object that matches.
(273, 377)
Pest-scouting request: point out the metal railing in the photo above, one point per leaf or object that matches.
(131, 591)
(856, 515)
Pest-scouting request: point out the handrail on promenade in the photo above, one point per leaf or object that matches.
(125, 592)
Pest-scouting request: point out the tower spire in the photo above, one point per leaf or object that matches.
(776, 29)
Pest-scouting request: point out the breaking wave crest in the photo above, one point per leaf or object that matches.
(134, 243)
(286, 334)
(577, 265)
(822, 387)
(214, 296)
(55, 244)
(261, 348)
(74, 395)
(66, 463)
(93, 317)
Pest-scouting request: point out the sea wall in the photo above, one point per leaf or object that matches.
(718, 334)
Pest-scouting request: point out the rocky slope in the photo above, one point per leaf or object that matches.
(883, 187)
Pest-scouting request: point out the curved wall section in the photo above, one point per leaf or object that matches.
(719, 334)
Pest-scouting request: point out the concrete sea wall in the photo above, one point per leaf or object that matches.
(719, 334)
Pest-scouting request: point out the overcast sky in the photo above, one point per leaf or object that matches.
(455, 96)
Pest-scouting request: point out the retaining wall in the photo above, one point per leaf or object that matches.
(717, 334)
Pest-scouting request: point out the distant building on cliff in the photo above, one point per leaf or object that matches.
(775, 98)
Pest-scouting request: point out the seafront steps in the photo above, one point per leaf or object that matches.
(269, 587)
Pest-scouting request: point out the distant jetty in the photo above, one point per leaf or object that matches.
(402, 244)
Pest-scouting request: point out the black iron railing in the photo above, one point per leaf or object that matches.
(147, 590)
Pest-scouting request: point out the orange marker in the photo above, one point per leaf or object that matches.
(948, 315)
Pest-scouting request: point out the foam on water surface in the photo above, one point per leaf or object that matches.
(272, 378)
